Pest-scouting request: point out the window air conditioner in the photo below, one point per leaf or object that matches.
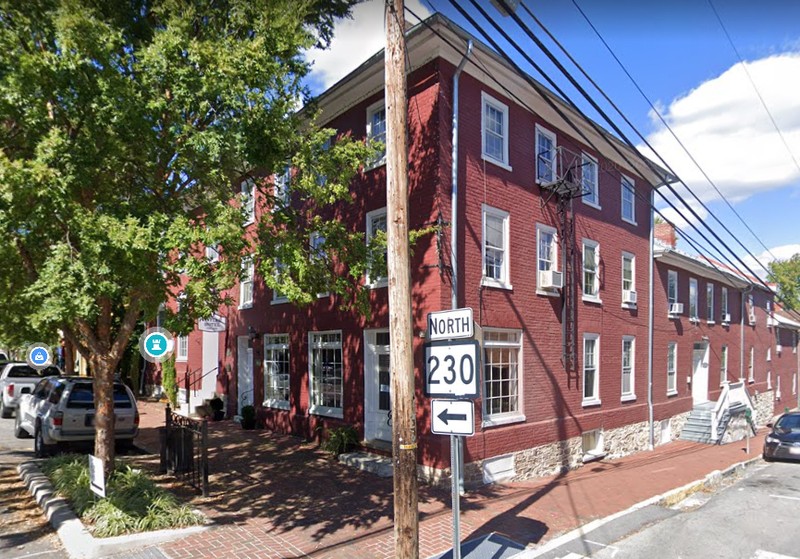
(676, 308)
(725, 318)
(551, 279)
(629, 297)
(752, 317)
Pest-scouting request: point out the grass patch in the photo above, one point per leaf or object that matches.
(133, 502)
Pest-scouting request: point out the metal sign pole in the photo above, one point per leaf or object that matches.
(454, 475)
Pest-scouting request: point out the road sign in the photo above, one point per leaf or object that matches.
(453, 417)
(97, 477)
(452, 368)
(449, 325)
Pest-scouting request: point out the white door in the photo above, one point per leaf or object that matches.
(700, 373)
(206, 387)
(377, 382)
(244, 356)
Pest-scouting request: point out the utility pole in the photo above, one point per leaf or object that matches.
(404, 429)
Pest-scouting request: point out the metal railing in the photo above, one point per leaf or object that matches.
(190, 384)
(184, 449)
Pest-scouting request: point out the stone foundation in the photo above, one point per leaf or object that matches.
(764, 404)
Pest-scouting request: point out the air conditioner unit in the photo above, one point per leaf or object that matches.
(726, 318)
(752, 318)
(676, 308)
(629, 297)
(772, 321)
(778, 348)
(551, 279)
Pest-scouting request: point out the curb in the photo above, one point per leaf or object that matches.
(76, 539)
(672, 496)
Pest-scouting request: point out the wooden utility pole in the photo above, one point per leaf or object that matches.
(404, 429)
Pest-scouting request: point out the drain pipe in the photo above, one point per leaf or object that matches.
(650, 420)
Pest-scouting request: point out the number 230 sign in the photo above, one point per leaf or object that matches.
(452, 368)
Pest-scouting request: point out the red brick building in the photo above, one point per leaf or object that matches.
(550, 240)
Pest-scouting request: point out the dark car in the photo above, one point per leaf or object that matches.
(783, 442)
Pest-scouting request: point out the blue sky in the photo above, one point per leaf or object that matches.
(681, 58)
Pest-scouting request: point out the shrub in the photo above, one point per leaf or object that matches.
(341, 440)
(169, 380)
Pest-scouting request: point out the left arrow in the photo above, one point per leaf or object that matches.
(445, 416)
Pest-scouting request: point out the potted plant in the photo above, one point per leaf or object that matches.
(248, 417)
(217, 404)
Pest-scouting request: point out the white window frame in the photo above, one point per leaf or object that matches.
(280, 188)
(247, 283)
(539, 132)
(630, 257)
(278, 298)
(513, 343)
(672, 291)
(769, 380)
(553, 262)
(723, 365)
(182, 348)
(672, 368)
(693, 298)
(593, 296)
(591, 196)
(379, 281)
(723, 303)
(710, 303)
(248, 196)
(628, 185)
(489, 101)
(315, 342)
(751, 369)
(274, 346)
(316, 242)
(592, 451)
(377, 107)
(751, 310)
(631, 368)
(594, 398)
(504, 281)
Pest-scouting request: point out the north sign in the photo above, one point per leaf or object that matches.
(449, 325)
(453, 417)
(452, 369)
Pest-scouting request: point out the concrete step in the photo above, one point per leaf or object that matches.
(378, 465)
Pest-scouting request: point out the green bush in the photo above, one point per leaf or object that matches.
(133, 502)
(341, 440)
(169, 380)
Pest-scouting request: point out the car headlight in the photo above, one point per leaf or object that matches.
(772, 440)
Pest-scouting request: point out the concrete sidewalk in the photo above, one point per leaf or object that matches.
(276, 496)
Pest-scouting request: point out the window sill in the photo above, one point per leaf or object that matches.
(593, 456)
(276, 404)
(629, 398)
(710, 322)
(379, 163)
(493, 161)
(548, 293)
(725, 324)
(630, 306)
(246, 306)
(672, 393)
(593, 300)
(592, 205)
(279, 301)
(630, 221)
(327, 412)
(497, 284)
(250, 221)
(590, 403)
(377, 284)
(673, 316)
(181, 359)
(694, 320)
(496, 421)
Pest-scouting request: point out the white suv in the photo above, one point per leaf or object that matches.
(61, 410)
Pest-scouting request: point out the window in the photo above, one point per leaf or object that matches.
(723, 365)
(183, 348)
(246, 283)
(591, 196)
(376, 130)
(495, 248)
(751, 310)
(545, 155)
(502, 351)
(672, 359)
(281, 188)
(276, 371)
(751, 375)
(376, 241)
(769, 354)
(318, 253)
(794, 341)
(277, 296)
(591, 373)
(672, 287)
(591, 280)
(710, 302)
(723, 303)
(628, 279)
(628, 378)
(494, 124)
(212, 253)
(325, 373)
(693, 299)
(628, 200)
(592, 445)
(547, 254)
(769, 380)
(248, 190)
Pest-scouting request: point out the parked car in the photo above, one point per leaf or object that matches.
(61, 410)
(783, 441)
(17, 379)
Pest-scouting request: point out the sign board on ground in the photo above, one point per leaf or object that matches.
(450, 325)
(97, 477)
(453, 417)
(452, 369)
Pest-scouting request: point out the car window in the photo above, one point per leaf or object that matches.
(41, 389)
(789, 423)
(81, 396)
(121, 398)
(55, 394)
(24, 371)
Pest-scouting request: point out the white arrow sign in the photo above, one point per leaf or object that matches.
(453, 417)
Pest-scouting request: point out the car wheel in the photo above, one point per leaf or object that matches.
(19, 432)
(5, 411)
(766, 458)
(40, 449)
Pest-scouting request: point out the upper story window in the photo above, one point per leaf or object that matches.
(248, 193)
(280, 184)
(246, 283)
(183, 349)
(589, 184)
(628, 200)
(548, 276)
(710, 302)
(495, 247)
(212, 253)
(545, 155)
(628, 279)
(725, 318)
(693, 299)
(591, 280)
(751, 310)
(494, 127)
(376, 129)
(277, 296)
(674, 306)
(377, 272)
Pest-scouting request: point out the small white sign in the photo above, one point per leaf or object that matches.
(97, 477)
(214, 323)
(450, 325)
(452, 369)
(453, 417)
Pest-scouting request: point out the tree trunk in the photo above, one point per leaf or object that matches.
(103, 368)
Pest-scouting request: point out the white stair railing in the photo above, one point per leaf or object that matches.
(723, 404)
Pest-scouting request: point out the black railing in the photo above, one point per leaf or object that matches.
(190, 384)
(184, 449)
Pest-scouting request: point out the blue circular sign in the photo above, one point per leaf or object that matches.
(39, 356)
(156, 345)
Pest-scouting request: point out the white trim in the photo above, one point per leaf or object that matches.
(380, 281)
(595, 297)
(694, 316)
(249, 264)
(317, 409)
(629, 396)
(710, 307)
(540, 227)
(271, 343)
(488, 100)
(504, 281)
(594, 400)
(585, 157)
(632, 257)
(371, 110)
(632, 184)
(540, 130)
(247, 189)
(674, 390)
(518, 415)
(182, 353)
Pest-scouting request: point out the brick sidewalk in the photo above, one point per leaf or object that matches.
(276, 496)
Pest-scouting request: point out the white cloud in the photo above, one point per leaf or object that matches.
(355, 40)
(760, 263)
(725, 127)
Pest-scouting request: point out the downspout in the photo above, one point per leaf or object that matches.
(454, 185)
(651, 281)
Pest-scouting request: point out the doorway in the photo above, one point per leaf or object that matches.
(377, 383)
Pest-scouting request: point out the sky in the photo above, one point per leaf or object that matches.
(740, 122)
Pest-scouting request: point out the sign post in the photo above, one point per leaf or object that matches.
(97, 477)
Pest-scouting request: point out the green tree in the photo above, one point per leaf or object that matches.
(126, 127)
(786, 273)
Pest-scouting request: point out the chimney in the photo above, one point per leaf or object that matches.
(665, 233)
